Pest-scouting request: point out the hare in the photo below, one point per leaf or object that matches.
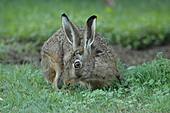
(77, 55)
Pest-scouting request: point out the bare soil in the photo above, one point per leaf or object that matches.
(137, 57)
(127, 56)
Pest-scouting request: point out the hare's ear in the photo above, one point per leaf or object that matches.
(71, 31)
(89, 33)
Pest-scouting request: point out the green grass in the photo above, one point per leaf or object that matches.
(136, 24)
(25, 25)
(23, 89)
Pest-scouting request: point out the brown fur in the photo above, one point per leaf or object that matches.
(98, 69)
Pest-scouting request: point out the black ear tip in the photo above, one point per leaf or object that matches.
(94, 16)
(63, 15)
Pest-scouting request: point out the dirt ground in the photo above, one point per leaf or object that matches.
(129, 57)
(137, 57)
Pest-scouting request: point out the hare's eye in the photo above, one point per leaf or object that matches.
(77, 64)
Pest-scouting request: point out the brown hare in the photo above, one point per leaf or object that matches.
(77, 55)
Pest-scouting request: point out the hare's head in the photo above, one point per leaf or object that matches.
(78, 63)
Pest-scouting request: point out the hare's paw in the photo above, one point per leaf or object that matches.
(66, 90)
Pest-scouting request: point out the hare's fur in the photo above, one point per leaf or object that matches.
(99, 65)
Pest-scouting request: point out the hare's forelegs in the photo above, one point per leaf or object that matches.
(57, 75)
(121, 79)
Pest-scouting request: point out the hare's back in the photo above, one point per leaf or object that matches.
(105, 58)
(52, 48)
(58, 41)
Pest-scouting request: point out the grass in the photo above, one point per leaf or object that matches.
(136, 24)
(25, 25)
(23, 89)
